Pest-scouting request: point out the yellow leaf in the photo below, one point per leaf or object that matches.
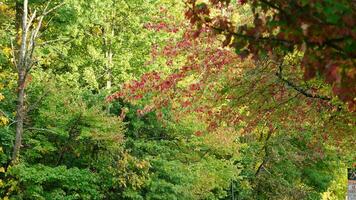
(3, 7)
(7, 51)
(2, 170)
(3, 120)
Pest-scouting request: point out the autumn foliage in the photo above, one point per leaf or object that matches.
(324, 31)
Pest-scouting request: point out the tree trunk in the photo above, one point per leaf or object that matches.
(109, 57)
(21, 69)
(109, 68)
(20, 115)
(109, 60)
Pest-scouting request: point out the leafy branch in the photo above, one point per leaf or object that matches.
(298, 88)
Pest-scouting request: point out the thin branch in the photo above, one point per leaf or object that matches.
(35, 32)
(275, 7)
(52, 41)
(6, 115)
(13, 52)
(298, 88)
(47, 6)
(250, 37)
(44, 29)
(31, 47)
(265, 158)
(280, 104)
(330, 42)
(14, 122)
(54, 8)
(31, 20)
(43, 129)
(23, 48)
(34, 105)
(33, 44)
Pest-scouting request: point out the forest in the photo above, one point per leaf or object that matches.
(177, 99)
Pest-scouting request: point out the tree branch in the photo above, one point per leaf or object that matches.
(6, 115)
(54, 8)
(13, 52)
(298, 88)
(265, 158)
(43, 129)
(33, 16)
(330, 42)
(275, 7)
(35, 32)
(34, 105)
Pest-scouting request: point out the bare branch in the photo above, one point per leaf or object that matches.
(36, 30)
(31, 20)
(52, 41)
(47, 6)
(43, 129)
(22, 54)
(33, 42)
(54, 8)
(13, 52)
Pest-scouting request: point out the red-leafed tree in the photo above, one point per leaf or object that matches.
(224, 90)
(323, 30)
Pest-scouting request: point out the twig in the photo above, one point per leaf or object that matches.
(265, 148)
(54, 8)
(31, 20)
(13, 52)
(55, 40)
(43, 129)
(298, 88)
(14, 122)
(34, 105)
(6, 115)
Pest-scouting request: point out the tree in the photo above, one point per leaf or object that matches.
(102, 42)
(24, 60)
(323, 31)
